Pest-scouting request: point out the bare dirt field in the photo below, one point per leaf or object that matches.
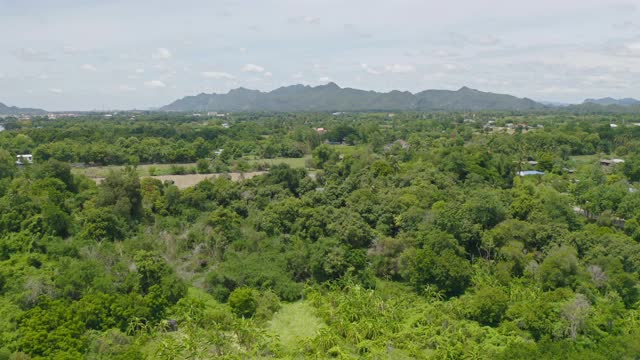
(185, 181)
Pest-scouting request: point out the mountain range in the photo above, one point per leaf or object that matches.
(12, 110)
(611, 101)
(331, 97)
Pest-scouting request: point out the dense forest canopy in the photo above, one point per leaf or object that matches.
(370, 235)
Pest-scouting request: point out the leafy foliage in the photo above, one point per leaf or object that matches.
(395, 237)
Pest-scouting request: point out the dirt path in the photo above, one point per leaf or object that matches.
(185, 181)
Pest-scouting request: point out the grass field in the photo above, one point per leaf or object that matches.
(294, 321)
(347, 149)
(165, 169)
(293, 162)
(586, 159)
(189, 180)
(143, 170)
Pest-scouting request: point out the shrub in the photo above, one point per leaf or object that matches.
(243, 302)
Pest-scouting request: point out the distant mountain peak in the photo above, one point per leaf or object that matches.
(331, 97)
(13, 110)
(330, 85)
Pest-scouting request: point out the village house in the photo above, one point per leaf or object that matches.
(607, 162)
(24, 159)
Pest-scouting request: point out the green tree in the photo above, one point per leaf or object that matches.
(7, 164)
(560, 268)
(243, 302)
(202, 166)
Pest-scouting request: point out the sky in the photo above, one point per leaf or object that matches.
(137, 54)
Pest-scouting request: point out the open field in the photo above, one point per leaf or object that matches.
(166, 169)
(294, 322)
(586, 159)
(143, 170)
(293, 162)
(185, 181)
(346, 149)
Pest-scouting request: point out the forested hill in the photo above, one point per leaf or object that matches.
(12, 110)
(611, 101)
(331, 97)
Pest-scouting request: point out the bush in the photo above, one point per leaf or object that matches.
(243, 302)
(177, 170)
(268, 304)
(203, 166)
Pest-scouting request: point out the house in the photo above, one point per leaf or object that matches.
(24, 159)
(403, 144)
(530, 172)
(613, 126)
(606, 162)
(321, 130)
(226, 125)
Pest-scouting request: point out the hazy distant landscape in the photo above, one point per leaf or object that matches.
(332, 98)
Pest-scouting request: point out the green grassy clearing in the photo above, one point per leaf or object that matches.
(143, 170)
(293, 162)
(165, 169)
(347, 149)
(294, 322)
(586, 159)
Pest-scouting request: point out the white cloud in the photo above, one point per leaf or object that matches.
(155, 84)
(139, 71)
(161, 54)
(390, 68)
(55, 91)
(488, 40)
(217, 75)
(311, 20)
(253, 68)
(324, 79)
(443, 53)
(88, 67)
(369, 69)
(126, 88)
(633, 47)
(268, 74)
(400, 68)
(297, 76)
(304, 19)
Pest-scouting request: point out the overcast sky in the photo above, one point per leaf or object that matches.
(124, 54)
